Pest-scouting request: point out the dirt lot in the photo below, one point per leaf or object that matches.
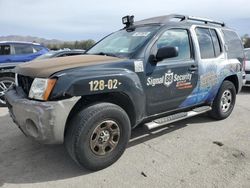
(197, 152)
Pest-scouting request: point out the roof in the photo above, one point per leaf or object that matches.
(177, 18)
(18, 42)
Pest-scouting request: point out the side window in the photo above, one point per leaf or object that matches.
(23, 49)
(4, 49)
(234, 45)
(216, 41)
(176, 38)
(205, 43)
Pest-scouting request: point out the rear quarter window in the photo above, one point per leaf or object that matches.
(234, 45)
(21, 49)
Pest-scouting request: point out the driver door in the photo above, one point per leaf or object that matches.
(170, 83)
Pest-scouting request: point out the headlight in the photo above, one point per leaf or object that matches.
(41, 88)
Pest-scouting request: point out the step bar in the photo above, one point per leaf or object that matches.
(176, 117)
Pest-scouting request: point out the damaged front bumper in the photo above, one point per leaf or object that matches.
(42, 121)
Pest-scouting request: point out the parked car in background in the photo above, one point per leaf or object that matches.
(60, 53)
(11, 54)
(20, 51)
(247, 66)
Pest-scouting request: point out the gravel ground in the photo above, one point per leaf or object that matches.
(197, 152)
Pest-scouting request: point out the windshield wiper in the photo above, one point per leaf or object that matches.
(106, 54)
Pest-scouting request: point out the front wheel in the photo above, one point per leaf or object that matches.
(98, 135)
(224, 102)
(5, 84)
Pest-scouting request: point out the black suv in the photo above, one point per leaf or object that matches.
(151, 72)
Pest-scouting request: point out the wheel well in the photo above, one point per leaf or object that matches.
(119, 99)
(234, 80)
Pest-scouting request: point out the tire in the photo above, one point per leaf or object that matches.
(83, 139)
(223, 106)
(5, 84)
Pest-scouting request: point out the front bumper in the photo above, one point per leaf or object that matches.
(42, 121)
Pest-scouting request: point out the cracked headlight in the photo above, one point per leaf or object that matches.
(41, 88)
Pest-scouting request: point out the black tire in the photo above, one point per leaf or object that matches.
(218, 112)
(8, 81)
(79, 135)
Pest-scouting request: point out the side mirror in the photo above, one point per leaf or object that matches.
(166, 52)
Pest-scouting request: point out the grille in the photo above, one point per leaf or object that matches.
(247, 82)
(247, 72)
(25, 83)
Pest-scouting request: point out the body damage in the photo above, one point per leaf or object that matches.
(31, 116)
(102, 79)
(45, 68)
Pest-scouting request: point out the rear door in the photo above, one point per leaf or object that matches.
(211, 56)
(171, 81)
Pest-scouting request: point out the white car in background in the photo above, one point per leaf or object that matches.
(247, 66)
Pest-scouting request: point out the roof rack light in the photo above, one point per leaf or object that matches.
(128, 20)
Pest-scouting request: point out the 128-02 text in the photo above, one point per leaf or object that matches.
(99, 85)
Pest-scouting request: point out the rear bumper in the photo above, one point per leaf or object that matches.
(42, 121)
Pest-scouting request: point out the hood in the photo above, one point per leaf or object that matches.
(46, 67)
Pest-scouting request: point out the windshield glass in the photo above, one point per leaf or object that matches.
(123, 43)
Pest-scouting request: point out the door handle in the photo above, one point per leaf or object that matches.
(193, 68)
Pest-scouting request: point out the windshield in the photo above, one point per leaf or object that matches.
(123, 43)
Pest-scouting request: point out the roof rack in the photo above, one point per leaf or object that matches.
(181, 18)
(196, 19)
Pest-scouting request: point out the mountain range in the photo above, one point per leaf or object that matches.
(31, 39)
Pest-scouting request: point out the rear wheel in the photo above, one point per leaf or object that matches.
(5, 84)
(224, 102)
(98, 135)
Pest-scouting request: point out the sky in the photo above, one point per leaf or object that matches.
(81, 19)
